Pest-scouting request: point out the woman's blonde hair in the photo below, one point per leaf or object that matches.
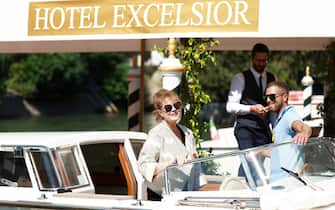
(158, 99)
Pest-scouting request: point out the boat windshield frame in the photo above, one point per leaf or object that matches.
(245, 154)
(54, 167)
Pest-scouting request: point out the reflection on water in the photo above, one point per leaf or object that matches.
(96, 122)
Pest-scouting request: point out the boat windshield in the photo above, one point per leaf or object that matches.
(285, 166)
(58, 169)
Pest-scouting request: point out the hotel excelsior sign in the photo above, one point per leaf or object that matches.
(141, 17)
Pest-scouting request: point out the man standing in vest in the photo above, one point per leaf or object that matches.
(246, 100)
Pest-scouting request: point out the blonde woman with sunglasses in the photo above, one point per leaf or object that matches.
(168, 143)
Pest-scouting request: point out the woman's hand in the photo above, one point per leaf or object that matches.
(180, 160)
(160, 167)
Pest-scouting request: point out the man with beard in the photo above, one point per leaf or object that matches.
(246, 100)
(287, 127)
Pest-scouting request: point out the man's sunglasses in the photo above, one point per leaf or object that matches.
(168, 107)
(272, 97)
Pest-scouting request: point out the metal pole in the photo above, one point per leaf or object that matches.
(134, 80)
(307, 81)
(142, 84)
(136, 92)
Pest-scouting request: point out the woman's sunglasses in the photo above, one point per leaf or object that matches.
(168, 107)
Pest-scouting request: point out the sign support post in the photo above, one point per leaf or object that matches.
(307, 81)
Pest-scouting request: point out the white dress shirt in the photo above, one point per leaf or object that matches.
(235, 94)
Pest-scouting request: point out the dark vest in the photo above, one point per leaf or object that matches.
(250, 96)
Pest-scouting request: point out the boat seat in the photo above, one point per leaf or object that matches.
(234, 183)
(217, 183)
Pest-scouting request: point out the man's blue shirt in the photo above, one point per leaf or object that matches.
(288, 156)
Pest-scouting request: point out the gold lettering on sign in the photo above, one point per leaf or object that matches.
(59, 18)
(135, 16)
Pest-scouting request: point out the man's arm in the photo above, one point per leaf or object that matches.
(235, 94)
(303, 132)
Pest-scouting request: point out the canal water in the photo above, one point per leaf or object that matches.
(92, 122)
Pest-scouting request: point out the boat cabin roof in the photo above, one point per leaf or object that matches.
(56, 139)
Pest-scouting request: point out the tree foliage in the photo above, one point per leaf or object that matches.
(109, 71)
(216, 81)
(46, 75)
(195, 56)
(327, 64)
(63, 75)
(287, 66)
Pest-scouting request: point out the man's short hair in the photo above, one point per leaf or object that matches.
(281, 85)
(260, 47)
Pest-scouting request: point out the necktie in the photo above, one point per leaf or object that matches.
(260, 85)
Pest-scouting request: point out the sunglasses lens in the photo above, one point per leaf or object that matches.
(272, 97)
(168, 108)
(177, 105)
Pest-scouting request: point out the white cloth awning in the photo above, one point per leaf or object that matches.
(283, 25)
